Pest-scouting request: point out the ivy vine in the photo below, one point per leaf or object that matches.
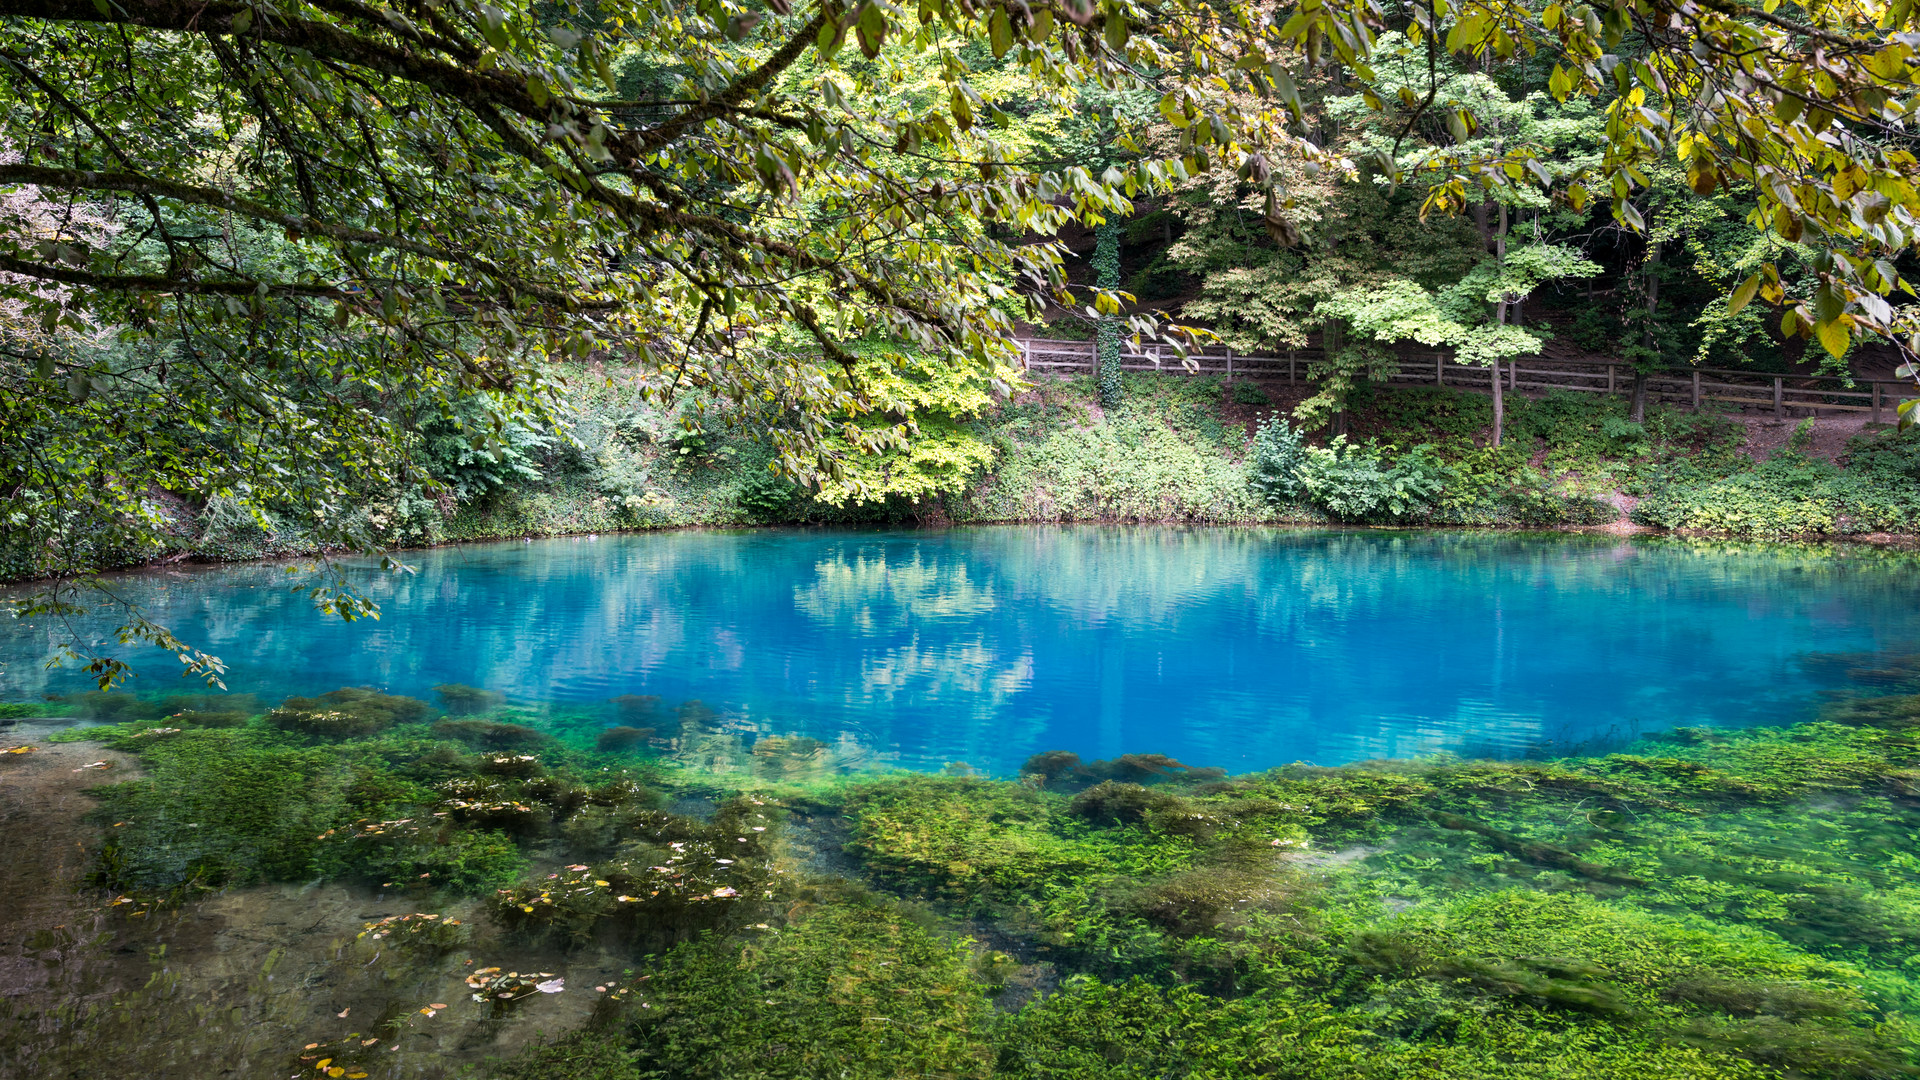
(1106, 268)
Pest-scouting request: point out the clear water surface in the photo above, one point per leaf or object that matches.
(1234, 648)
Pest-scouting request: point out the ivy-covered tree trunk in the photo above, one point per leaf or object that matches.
(1501, 309)
(1106, 268)
(1652, 342)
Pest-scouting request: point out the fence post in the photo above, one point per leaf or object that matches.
(1290, 355)
(1876, 402)
(1610, 366)
(1777, 410)
(1229, 363)
(1696, 391)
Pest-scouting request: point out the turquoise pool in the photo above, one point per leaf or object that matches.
(1233, 648)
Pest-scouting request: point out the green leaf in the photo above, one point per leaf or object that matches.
(1559, 84)
(1000, 32)
(872, 29)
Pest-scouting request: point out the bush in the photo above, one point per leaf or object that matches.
(1789, 495)
(1248, 392)
(770, 497)
(1279, 454)
(1358, 483)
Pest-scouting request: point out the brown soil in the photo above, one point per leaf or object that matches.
(50, 847)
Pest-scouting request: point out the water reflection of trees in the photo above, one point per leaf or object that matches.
(1223, 645)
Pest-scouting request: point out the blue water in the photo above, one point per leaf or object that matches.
(1235, 648)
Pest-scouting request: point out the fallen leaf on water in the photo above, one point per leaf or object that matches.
(551, 986)
(342, 1014)
(436, 1006)
(17, 750)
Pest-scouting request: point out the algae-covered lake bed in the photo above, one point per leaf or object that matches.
(1567, 807)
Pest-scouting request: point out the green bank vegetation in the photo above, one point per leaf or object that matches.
(1174, 449)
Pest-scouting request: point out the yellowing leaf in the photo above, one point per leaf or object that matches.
(1743, 295)
(1833, 337)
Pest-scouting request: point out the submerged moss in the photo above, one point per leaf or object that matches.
(1709, 904)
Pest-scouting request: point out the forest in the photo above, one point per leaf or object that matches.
(329, 278)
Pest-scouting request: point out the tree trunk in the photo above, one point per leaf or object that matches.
(1650, 340)
(1500, 316)
(1332, 340)
(1499, 405)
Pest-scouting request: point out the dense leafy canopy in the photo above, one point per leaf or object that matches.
(251, 251)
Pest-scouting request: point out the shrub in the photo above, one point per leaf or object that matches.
(1279, 454)
(1248, 392)
(1356, 482)
(769, 497)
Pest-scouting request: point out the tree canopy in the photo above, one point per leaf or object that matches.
(248, 249)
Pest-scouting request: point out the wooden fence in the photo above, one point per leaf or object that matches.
(1689, 386)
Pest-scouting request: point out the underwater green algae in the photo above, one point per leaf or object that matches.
(1709, 904)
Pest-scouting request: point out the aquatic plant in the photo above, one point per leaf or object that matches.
(491, 734)
(852, 991)
(637, 710)
(459, 700)
(347, 713)
(655, 889)
(426, 932)
(616, 739)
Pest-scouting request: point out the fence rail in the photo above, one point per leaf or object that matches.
(1693, 386)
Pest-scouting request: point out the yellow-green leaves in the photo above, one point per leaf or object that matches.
(1835, 336)
(1743, 295)
(1000, 32)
